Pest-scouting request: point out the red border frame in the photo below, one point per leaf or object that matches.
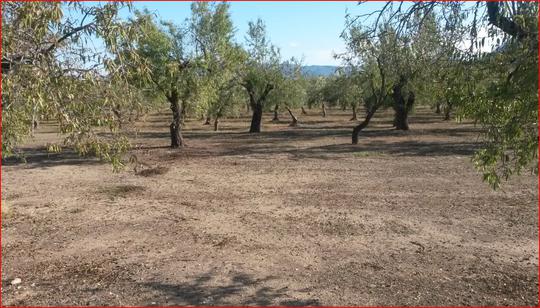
(538, 126)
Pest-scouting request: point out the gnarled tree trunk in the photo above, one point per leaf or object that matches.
(216, 124)
(207, 122)
(276, 115)
(361, 126)
(402, 106)
(176, 124)
(447, 110)
(354, 115)
(256, 119)
(294, 119)
(257, 106)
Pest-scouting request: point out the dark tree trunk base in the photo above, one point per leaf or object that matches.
(354, 115)
(447, 116)
(216, 124)
(176, 137)
(276, 114)
(401, 122)
(447, 110)
(176, 125)
(361, 126)
(294, 122)
(256, 120)
(402, 107)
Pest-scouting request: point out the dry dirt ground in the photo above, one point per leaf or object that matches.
(292, 216)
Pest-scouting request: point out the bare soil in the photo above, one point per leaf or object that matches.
(291, 216)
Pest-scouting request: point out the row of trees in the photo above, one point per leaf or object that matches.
(52, 69)
(452, 56)
(480, 66)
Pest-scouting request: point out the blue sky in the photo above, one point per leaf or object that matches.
(300, 29)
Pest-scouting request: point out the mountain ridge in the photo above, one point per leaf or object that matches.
(319, 70)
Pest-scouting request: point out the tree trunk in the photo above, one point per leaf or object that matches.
(183, 115)
(118, 115)
(257, 104)
(447, 110)
(354, 116)
(256, 119)
(361, 126)
(34, 124)
(438, 108)
(216, 124)
(401, 121)
(304, 111)
(447, 114)
(294, 119)
(508, 26)
(207, 122)
(276, 115)
(323, 110)
(402, 107)
(176, 124)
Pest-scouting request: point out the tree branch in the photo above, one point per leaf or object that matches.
(502, 22)
(66, 36)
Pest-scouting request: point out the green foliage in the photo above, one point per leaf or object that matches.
(290, 90)
(425, 43)
(262, 71)
(315, 91)
(222, 59)
(162, 46)
(505, 104)
(52, 71)
(498, 89)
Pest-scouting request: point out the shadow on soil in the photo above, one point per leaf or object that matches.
(295, 143)
(291, 141)
(41, 158)
(242, 289)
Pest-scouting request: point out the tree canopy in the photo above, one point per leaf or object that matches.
(491, 79)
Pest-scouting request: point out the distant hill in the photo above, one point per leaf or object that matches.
(319, 70)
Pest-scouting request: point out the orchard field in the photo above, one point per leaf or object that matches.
(269, 153)
(290, 216)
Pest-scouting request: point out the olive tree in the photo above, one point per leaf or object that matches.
(170, 68)
(52, 70)
(500, 87)
(290, 91)
(262, 71)
(222, 59)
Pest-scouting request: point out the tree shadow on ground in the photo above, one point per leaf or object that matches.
(403, 149)
(399, 148)
(41, 158)
(293, 143)
(241, 289)
(306, 141)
